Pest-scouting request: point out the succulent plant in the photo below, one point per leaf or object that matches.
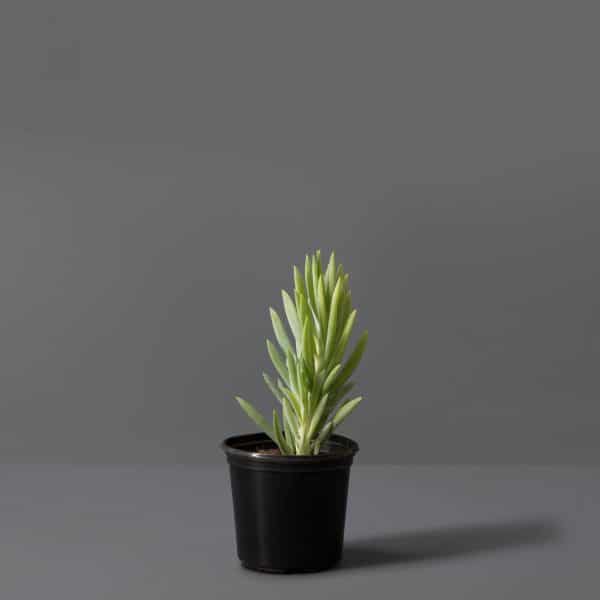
(313, 382)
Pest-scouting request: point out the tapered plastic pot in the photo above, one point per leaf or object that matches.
(289, 511)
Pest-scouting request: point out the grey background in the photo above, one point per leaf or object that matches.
(162, 166)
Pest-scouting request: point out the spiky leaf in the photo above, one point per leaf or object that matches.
(354, 358)
(256, 417)
(292, 316)
(345, 410)
(280, 333)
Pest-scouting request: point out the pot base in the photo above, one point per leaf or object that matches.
(272, 571)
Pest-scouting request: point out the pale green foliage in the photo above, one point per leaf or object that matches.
(313, 380)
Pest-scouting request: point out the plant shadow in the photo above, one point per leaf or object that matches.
(447, 542)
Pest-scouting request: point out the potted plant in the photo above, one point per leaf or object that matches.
(290, 483)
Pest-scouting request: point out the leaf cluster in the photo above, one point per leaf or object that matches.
(313, 369)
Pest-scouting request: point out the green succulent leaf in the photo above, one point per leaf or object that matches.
(280, 334)
(333, 319)
(256, 417)
(331, 377)
(345, 336)
(284, 447)
(345, 410)
(298, 281)
(331, 272)
(292, 317)
(310, 292)
(291, 398)
(321, 303)
(317, 416)
(290, 421)
(273, 387)
(307, 343)
(277, 361)
(290, 365)
(354, 358)
(322, 437)
(315, 279)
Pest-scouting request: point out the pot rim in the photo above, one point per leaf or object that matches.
(345, 447)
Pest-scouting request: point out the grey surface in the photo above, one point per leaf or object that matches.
(162, 165)
(455, 533)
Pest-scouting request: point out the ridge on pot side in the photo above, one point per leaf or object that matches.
(290, 483)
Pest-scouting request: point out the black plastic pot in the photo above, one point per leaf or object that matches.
(289, 511)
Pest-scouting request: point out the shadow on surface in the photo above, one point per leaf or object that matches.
(447, 542)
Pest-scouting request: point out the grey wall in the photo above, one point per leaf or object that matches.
(162, 166)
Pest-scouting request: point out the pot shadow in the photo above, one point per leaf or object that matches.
(447, 542)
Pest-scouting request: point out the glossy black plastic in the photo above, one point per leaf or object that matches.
(289, 511)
